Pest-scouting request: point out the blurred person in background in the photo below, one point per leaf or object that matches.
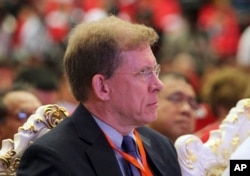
(177, 106)
(16, 105)
(221, 90)
(218, 19)
(31, 39)
(189, 41)
(7, 26)
(184, 63)
(44, 80)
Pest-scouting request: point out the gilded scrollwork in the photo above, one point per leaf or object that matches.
(212, 158)
(45, 118)
(53, 115)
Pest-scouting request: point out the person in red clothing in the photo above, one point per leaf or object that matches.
(219, 20)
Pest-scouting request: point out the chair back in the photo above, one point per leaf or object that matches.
(212, 157)
(43, 120)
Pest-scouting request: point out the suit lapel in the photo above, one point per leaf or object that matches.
(155, 162)
(100, 154)
(103, 158)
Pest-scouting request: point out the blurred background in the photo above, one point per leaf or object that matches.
(197, 37)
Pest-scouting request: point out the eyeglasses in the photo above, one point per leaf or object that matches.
(21, 115)
(147, 73)
(179, 98)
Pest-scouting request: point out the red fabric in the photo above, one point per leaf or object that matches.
(162, 8)
(223, 28)
(128, 9)
(90, 4)
(205, 132)
(50, 6)
(58, 32)
(205, 125)
(16, 36)
(207, 119)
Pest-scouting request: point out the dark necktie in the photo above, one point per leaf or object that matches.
(129, 147)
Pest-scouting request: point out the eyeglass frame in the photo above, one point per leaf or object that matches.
(146, 73)
(192, 102)
(21, 115)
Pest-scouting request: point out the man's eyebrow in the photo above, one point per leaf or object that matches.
(176, 92)
(147, 67)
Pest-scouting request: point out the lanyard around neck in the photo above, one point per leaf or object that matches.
(144, 168)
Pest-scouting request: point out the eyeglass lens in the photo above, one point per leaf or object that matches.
(179, 98)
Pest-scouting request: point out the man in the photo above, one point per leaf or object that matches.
(177, 106)
(15, 107)
(114, 74)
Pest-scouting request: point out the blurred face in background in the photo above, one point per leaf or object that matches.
(20, 105)
(177, 109)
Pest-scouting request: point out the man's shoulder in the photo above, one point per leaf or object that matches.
(61, 132)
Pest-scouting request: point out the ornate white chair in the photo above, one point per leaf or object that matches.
(212, 158)
(44, 119)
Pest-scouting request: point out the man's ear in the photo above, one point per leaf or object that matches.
(100, 87)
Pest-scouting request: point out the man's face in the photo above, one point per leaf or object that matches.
(134, 88)
(177, 108)
(20, 105)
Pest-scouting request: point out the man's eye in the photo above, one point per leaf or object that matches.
(176, 98)
(146, 72)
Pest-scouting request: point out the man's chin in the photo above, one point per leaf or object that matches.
(150, 118)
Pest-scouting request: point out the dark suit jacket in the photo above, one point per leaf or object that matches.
(77, 147)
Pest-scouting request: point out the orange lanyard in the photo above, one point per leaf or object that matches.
(144, 168)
